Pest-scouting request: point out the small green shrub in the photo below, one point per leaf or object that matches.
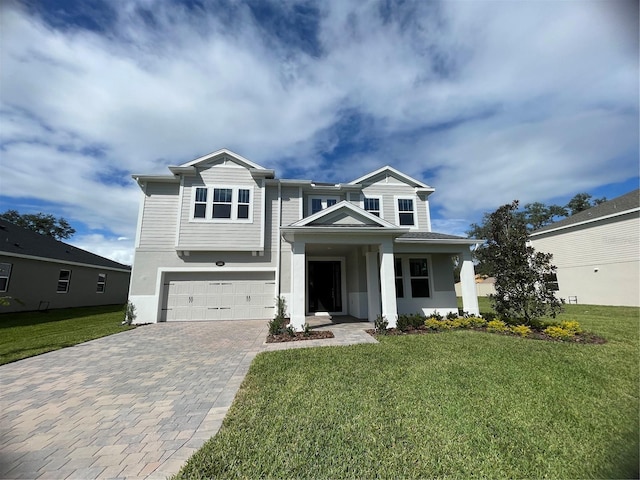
(477, 322)
(521, 330)
(276, 326)
(571, 326)
(438, 325)
(289, 330)
(129, 313)
(306, 331)
(462, 322)
(558, 332)
(381, 324)
(404, 321)
(497, 326)
(435, 315)
(417, 320)
(452, 315)
(488, 316)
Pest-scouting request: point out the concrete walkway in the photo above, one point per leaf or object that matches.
(132, 405)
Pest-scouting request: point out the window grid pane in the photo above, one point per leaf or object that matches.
(331, 202)
(201, 194)
(222, 195)
(243, 196)
(316, 205)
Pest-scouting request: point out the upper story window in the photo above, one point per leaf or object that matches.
(102, 283)
(222, 203)
(64, 279)
(317, 204)
(372, 205)
(406, 212)
(5, 274)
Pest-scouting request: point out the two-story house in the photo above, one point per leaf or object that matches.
(221, 237)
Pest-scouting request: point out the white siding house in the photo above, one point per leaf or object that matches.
(597, 252)
(221, 237)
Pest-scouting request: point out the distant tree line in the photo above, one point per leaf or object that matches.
(44, 224)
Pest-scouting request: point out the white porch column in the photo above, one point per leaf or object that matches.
(298, 286)
(468, 284)
(388, 283)
(373, 291)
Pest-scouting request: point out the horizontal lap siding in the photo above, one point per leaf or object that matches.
(290, 205)
(221, 236)
(610, 241)
(159, 216)
(389, 192)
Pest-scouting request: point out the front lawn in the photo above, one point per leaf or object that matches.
(456, 404)
(27, 334)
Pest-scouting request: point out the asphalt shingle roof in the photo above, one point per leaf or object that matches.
(432, 236)
(18, 240)
(619, 204)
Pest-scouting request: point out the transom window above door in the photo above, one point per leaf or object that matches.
(317, 204)
(222, 204)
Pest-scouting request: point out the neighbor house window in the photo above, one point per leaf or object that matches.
(399, 282)
(406, 211)
(419, 273)
(102, 283)
(372, 205)
(317, 204)
(200, 207)
(551, 280)
(226, 203)
(63, 281)
(5, 273)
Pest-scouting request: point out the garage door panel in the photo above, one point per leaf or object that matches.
(211, 297)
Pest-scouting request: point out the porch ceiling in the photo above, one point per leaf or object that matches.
(330, 249)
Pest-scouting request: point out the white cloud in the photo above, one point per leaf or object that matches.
(119, 250)
(495, 100)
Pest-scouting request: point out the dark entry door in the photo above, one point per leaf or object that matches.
(325, 286)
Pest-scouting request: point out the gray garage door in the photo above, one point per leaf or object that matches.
(230, 296)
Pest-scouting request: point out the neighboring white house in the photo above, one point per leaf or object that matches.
(597, 252)
(221, 237)
(485, 285)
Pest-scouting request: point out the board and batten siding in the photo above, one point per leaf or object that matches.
(598, 263)
(221, 236)
(158, 228)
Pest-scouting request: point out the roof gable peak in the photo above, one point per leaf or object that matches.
(390, 171)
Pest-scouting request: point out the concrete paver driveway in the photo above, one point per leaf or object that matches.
(132, 405)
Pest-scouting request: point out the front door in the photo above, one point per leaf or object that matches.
(325, 286)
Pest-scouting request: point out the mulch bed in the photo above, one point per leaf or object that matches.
(299, 336)
(584, 337)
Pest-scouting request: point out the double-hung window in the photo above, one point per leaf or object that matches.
(102, 283)
(406, 212)
(222, 204)
(5, 273)
(317, 204)
(64, 279)
(200, 206)
(419, 273)
(372, 205)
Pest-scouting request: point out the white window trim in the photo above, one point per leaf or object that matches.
(68, 281)
(234, 204)
(413, 198)
(323, 199)
(7, 276)
(406, 274)
(378, 197)
(103, 283)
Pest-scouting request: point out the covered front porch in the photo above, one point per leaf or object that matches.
(364, 275)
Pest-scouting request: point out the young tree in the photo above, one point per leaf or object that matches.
(44, 224)
(522, 293)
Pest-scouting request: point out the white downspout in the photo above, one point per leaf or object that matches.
(279, 254)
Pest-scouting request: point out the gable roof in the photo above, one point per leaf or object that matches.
(625, 203)
(222, 153)
(361, 218)
(390, 170)
(21, 242)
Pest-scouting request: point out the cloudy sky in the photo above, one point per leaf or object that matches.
(487, 101)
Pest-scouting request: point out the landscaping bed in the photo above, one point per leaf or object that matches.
(299, 336)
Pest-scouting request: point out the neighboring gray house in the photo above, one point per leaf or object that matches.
(43, 273)
(597, 252)
(221, 237)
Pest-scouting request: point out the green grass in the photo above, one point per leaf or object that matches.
(27, 334)
(460, 404)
